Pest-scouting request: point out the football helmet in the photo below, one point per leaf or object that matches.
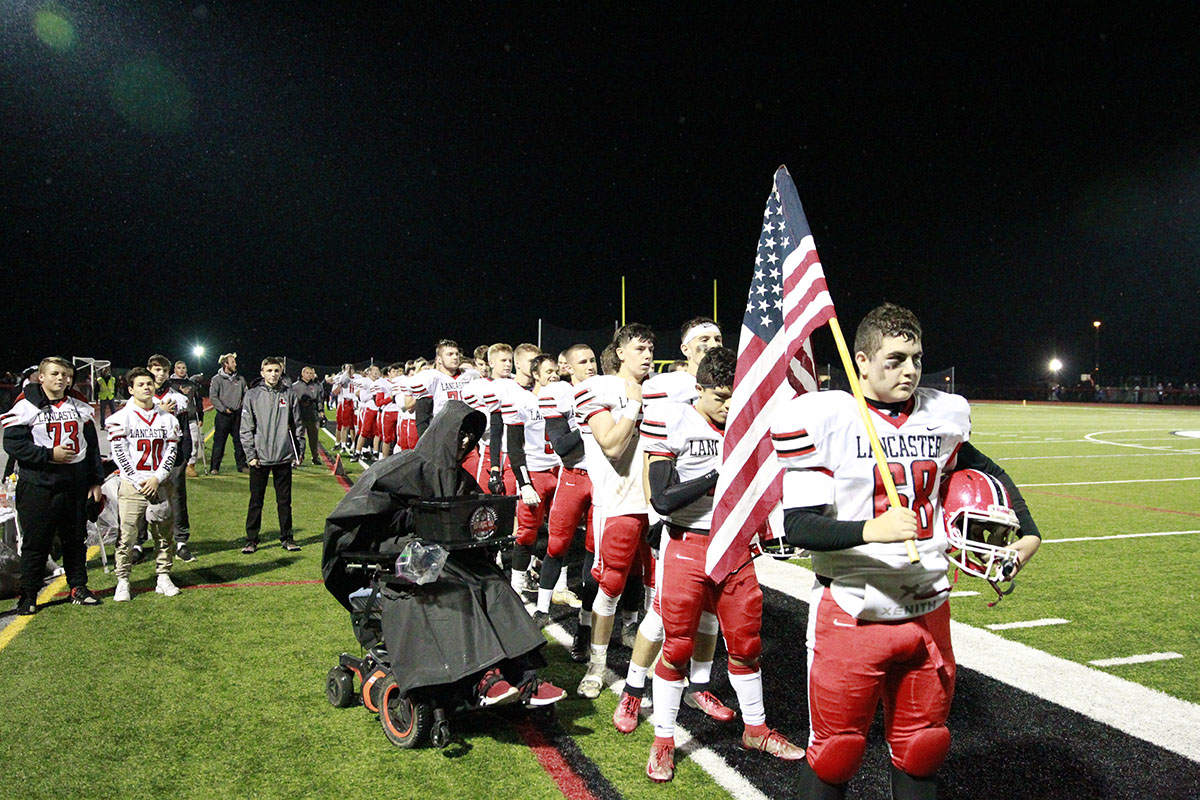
(980, 525)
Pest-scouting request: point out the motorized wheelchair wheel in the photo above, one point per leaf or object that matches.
(339, 688)
(405, 722)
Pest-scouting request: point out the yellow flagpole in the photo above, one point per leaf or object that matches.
(876, 447)
(622, 301)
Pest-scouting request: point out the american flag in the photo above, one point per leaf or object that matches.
(788, 301)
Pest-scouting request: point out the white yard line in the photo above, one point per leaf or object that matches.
(1166, 452)
(1149, 715)
(1092, 437)
(964, 594)
(1119, 536)
(711, 762)
(1099, 483)
(1029, 623)
(1142, 659)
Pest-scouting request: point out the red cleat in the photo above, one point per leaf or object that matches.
(626, 716)
(661, 766)
(711, 705)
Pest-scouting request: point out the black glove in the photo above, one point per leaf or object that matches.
(654, 535)
(496, 483)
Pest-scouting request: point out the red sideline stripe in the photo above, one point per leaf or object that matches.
(568, 781)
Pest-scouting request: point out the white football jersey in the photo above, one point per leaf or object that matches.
(679, 432)
(821, 442)
(144, 443)
(171, 396)
(557, 399)
(345, 385)
(675, 387)
(400, 386)
(616, 483)
(521, 409)
(440, 386)
(60, 424)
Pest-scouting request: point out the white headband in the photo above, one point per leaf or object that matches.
(696, 330)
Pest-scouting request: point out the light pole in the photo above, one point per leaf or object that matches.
(1096, 371)
(1055, 365)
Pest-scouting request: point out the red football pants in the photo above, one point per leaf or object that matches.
(529, 518)
(853, 664)
(408, 433)
(571, 500)
(388, 426)
(616, 550)
(686, 590)
(370, 424)
(345, 414)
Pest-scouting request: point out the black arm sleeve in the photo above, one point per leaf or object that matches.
(668, 494)
(95, 477)
(516, 453)
(561, 437)
(496, 429)
(810, 529)
(969, 457)
(424, 413)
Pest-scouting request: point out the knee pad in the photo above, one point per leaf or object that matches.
(652, 627)
(661, 670)
(708, 624)
(677, 651)
(924, 752)
(838, 757)
(605, 604)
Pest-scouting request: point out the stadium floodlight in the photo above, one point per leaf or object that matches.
(198, 351)
(1055, 365)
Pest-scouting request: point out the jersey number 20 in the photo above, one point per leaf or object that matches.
(151, 451)
(921, 481)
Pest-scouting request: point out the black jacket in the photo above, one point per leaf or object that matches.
(34, 461)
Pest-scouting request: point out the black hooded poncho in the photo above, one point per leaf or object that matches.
(469, 619)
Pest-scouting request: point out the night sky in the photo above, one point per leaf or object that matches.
(334, 183)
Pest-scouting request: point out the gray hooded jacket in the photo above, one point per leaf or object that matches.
(270, 425)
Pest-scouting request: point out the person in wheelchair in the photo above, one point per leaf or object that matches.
(463, 639)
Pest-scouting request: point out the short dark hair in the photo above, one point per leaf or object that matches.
(609, 365)
(888, 319)
(442, 343)
(273, 360)
(481, 352)
(158, 360)
(717, 368)
(137, 372)
(538, 360)
(634, 330)
(397, 366)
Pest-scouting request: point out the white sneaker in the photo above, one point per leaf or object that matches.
(121, 595)
(165, 587)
